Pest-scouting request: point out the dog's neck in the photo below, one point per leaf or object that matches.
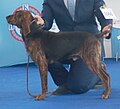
(34, 26)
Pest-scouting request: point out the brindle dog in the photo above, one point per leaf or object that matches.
(46, 47)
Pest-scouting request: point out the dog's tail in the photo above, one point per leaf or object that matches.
(103, 34)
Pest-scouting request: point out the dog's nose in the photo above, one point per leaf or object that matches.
(9, 18)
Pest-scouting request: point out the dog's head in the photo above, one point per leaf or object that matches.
(22, 19)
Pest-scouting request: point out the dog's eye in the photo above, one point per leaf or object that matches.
(18, 15)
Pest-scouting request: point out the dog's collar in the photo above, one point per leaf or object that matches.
(34, 25)
(32, 21)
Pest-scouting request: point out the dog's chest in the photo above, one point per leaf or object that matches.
(34, 49)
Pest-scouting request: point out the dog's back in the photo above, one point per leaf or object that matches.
(63, 44)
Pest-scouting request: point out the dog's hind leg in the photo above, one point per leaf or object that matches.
(92, 59)
(104, 77)
(93, 62)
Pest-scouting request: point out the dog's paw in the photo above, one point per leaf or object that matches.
(105, 95)
(40, 97)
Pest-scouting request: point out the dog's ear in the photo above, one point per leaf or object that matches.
(26, 27)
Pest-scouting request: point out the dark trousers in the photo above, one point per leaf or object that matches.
(78, 78)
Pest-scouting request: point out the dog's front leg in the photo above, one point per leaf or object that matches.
(43, 69)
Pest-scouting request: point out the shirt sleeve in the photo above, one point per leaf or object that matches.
(103, 22)
(47, 15)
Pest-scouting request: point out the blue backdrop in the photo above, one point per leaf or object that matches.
(115, 43)
(12, 50)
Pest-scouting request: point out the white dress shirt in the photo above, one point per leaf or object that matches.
(65, 1)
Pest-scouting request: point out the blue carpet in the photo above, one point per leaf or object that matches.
(13, 94)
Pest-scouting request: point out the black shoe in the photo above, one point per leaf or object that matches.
(103, 65)
(99, 85)
(61, 90)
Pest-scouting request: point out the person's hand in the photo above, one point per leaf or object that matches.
(39, 20)
(108, 27)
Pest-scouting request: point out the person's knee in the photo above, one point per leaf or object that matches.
(81, 79)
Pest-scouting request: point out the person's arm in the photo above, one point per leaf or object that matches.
(105, 23)
(47, 15)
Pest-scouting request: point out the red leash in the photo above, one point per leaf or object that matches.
(27, 79)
